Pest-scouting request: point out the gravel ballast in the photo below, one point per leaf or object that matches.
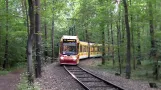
(127, 84)
(54, 77)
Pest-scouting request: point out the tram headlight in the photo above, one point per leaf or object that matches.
(62, 58)
(74, 58)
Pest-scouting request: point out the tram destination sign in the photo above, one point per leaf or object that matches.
(69, 40)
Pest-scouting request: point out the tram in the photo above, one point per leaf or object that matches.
(71, 50)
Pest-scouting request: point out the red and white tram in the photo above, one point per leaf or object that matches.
(68, 51)
(71, 50)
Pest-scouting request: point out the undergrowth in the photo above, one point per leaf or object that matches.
(15, 67)
(23, 85)
(142, 72)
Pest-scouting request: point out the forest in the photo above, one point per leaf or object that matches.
(30, 31)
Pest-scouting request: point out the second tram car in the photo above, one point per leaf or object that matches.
(71, 50)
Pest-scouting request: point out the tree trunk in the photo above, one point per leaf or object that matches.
(128, 63)
(27, 18)
(122, 35)
(5, 63)
(138, 48)
(45, 29)
(109, 46)
(87, 38)
(30, 43)
(1, 43)
(118, 45)
(103, 43)
(132, 39)
(52, 37)
(153, 44)
(38, 39)
(151, 26)
(113, 60)
(46, 49)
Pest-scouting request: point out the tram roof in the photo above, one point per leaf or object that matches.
(69, 37)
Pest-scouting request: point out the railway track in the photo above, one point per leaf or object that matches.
(88, 80)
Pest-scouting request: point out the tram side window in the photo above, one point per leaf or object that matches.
(99, 48)
(95, 49)
(84, 49)
(80, 48)
(91, 49)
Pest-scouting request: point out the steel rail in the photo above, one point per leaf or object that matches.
(86, 88)
(87, 72)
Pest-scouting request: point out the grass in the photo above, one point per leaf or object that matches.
(8, 70)
(143, 72)
(4, 72)
(23, 85)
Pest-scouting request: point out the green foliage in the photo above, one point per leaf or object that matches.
(23, 85)
(143, 72)
(87, 17)
(4, 72)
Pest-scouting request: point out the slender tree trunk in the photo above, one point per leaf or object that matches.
(153, 44)
(133, 48)
(5, 63)
(46, 49)
(152, 52)
(118, 45)
(38, 39)
(87, 37)
(45, 29)
(86, 33)
(113, 60)
(119, 42)
(128, 63)
(132, 39)
(52, 36)
(123, 40)
(109, 46)
(30, 43)
(138, 48)
(103, 43)
(0, 43)
(27, 18)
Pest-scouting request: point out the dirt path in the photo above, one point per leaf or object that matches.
(10, 81)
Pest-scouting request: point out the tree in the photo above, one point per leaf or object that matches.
(46, 33)
(112, 41)
(52, 34)
(5, 63)
(151, 26)
(30, 42)
(38, 40)
(128, 53)
(118, 43)
(132, 38)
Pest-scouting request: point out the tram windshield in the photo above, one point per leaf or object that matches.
(69, 46)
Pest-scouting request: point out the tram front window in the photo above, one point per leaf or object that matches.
(69, 48)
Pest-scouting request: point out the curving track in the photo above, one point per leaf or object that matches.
(88, 80)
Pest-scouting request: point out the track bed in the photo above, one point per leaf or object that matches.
(88, 80)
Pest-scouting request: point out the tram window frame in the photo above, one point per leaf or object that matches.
(95, 49)
(84, 49)
(80, 48)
